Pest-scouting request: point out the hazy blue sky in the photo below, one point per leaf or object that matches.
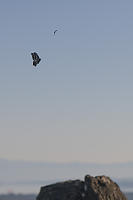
(77, 104)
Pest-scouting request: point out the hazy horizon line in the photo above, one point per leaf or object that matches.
(66, 162)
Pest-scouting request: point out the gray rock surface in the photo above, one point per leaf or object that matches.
(92, 188)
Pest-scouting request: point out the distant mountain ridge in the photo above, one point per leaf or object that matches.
(29, 171)
(27, 176)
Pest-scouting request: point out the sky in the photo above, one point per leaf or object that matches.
(77, 104)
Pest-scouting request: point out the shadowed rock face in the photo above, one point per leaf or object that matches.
(93, 188)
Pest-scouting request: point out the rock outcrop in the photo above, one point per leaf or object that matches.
(92, 188)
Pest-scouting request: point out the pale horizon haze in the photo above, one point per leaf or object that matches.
(77, 104)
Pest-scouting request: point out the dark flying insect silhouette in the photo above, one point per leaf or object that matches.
(55, 31)
(35, 58)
